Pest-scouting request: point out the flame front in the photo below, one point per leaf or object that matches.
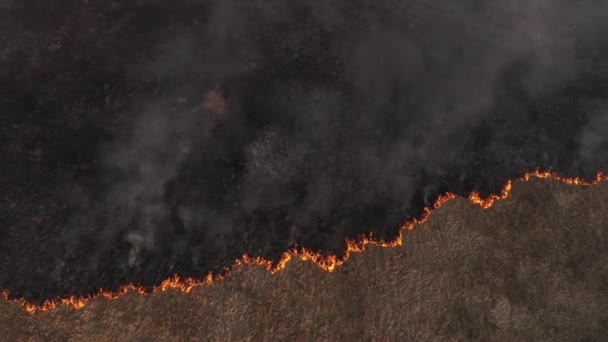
(327, 262)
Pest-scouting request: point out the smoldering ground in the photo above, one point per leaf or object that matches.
(142, 139)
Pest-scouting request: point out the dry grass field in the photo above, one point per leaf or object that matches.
(532, 267)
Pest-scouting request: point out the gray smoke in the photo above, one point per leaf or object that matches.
(594, 136)
(423, 75)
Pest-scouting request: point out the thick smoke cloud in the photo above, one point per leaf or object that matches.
(151, 137)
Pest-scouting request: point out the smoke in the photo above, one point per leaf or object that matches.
(373, 103)
(594, 136)
(376, 98)
(252, 126)
(147, 159)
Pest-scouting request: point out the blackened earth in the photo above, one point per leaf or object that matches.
(329, 120)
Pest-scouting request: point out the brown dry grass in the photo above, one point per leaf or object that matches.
(532, 267)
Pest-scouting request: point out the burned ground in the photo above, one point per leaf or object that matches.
(145, 138)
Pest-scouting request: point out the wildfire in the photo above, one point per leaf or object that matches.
(327, 262)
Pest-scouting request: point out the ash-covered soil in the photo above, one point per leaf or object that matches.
(144, 138)
(532, 267)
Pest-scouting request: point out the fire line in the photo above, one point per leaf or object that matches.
(328, 263)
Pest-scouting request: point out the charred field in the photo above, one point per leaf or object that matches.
(145, 139)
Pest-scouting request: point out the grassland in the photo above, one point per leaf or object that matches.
(532, 267)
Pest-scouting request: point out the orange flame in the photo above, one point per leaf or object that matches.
(328, 263)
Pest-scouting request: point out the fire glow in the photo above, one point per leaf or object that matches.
(328, 263)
